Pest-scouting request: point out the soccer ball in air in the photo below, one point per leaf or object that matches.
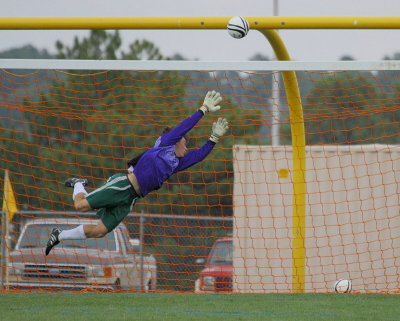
(238, 27)
(343, 286)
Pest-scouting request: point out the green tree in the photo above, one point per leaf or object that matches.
(344, 108)
(88, 122)
(100, 44)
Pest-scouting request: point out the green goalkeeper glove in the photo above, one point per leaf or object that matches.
(219, 129)
(211, 101)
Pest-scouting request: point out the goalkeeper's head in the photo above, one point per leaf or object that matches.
(181, 146)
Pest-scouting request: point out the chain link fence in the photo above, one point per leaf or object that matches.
(176, 242)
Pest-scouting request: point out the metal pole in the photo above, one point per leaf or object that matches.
(142, 220)
(3, 248)
(7, 245)
(93, 215)
(298, 162)
(185, 23)
(275, 113)
(275, 7)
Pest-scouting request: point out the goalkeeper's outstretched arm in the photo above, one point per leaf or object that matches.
(210, 104)
(218, 130)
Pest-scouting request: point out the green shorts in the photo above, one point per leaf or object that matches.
(114, 199)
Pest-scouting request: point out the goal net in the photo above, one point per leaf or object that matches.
(61, 119)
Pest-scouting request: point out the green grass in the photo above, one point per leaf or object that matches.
(222, 307)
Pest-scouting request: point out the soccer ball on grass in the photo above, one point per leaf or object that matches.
(343, 286)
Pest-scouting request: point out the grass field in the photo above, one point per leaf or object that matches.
(221, 307)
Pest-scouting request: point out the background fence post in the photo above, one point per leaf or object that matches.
(2, 250)
(4, 241)
(141, 240)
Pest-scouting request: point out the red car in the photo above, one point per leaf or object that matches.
(217, 273)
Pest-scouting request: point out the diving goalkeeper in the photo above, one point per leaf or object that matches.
(146, 173)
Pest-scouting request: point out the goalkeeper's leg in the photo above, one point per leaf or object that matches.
(82, 205)
(78, 233)
(79, 194)
(82, 231)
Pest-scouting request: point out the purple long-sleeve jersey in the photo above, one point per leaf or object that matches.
(157, 164)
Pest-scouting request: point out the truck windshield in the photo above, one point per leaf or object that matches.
(36, 235)
(221, 253)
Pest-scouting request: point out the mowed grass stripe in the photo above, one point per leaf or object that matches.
(222, 307)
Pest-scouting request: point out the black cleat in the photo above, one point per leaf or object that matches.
(53, 239)
(70, 182)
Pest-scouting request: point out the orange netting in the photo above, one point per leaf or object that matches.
(57, 124)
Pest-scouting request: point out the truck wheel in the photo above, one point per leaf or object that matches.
(151, 286)
(117, 285)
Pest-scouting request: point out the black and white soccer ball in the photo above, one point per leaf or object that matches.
(342, 286)
(238, 27)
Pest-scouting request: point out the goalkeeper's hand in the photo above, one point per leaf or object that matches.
(211, 101)
(219, 129)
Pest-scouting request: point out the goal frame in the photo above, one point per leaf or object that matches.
(267, 26)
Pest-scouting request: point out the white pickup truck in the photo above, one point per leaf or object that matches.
(109, 263)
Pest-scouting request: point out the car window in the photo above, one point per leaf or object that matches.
(36, 235)
(221, 253)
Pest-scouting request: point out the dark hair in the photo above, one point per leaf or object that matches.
(166, 130)
(135, 160)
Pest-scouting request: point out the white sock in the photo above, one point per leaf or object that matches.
(78, 188)
(76, 233)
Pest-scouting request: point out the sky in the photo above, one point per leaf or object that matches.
(306, 45)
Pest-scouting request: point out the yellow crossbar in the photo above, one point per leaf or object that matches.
(259, 23)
